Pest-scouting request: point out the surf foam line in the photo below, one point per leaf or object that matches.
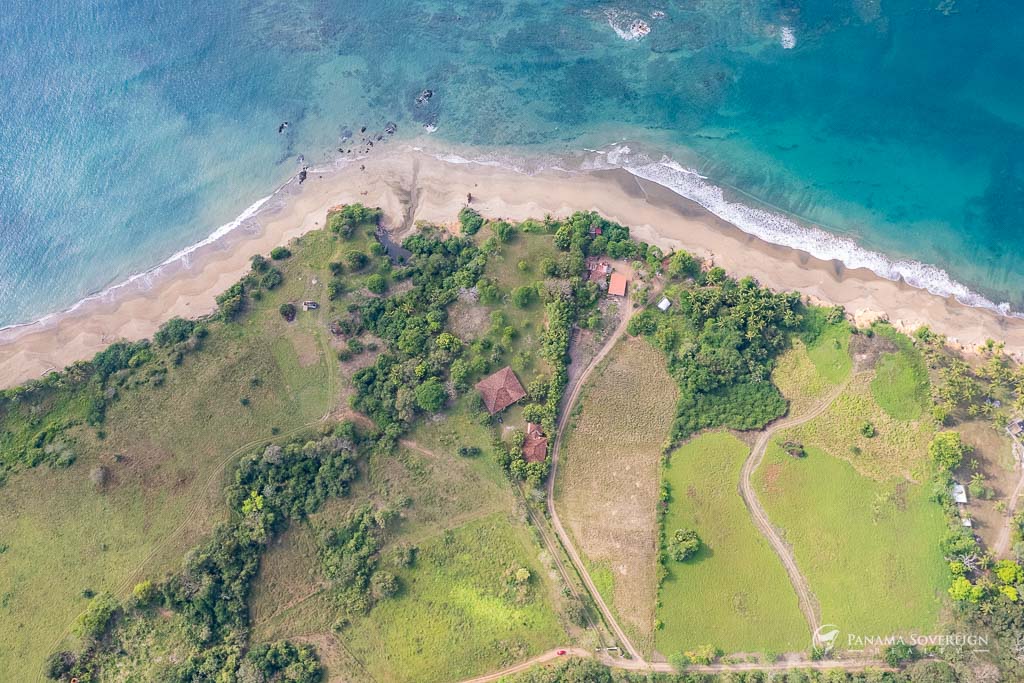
(770, 226)
(179, 256)
(779, 229)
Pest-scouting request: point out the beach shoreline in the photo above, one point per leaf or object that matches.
(412, 184)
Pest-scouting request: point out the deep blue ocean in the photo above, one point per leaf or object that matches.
(130, 130)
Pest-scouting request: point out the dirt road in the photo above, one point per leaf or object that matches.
(556, 523)
(808, 605)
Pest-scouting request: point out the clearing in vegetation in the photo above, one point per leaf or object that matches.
(607, 488)
(869, 548)
(890, 448)
(733, 593)
(901, 378)
(806, 371)
(475, 601)
(110, 511)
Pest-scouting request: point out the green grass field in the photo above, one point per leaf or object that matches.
(868, 548)
(897, 449)
(460, 612)
(901, 378)
(167, 450)
(805, 372)
(733, 594)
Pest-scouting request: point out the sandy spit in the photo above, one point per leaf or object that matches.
(412, 185)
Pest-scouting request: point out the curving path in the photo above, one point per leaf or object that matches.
(556, 523)
(808, 605)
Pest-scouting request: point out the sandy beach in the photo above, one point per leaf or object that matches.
(412, 185)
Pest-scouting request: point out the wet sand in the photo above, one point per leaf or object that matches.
(411, 185)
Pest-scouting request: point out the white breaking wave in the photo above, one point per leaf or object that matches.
(777, 228)
(147, 277)
(770, 226)
(626, 25)
(787, 38)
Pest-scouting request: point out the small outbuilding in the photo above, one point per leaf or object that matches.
(617, 284)
(500, 390)
(310, 305)
(664, 304)
(966, 522)
(535, 448)
(959, 493)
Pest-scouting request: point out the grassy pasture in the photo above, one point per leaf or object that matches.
(734, 593)
(896, 450)
(869, 548)
(901, 379)
(805, 372)
(607, 487)
(166, 451)
(460, 612)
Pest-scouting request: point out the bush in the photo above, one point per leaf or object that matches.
(683, 544)
(144, 593)
(259, 263)
(470, 221)
(93, 622)
(356, 260)
(376, 283)
(682, 264)
(431, 396)
(59, 664)
(287, 311)
(174, 331)
(899, 653)
(271, 279)
(280, 253)
(335, 288)
(524, 296)
(867, 429)
(947, 450)
(505, 232)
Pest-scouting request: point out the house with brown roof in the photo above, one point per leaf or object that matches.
(535, 448)
(617, 284)
(500, 390)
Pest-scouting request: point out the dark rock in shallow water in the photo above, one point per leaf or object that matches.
(422, 98)
(363, 129)
(280, 129)
(391, 128)
(302, 176)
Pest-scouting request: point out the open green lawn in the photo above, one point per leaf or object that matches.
(901, 378)
(896, 449)
(733, 594)
(461, 612)
(608, 476)
(868, 548)
(166, 450)
(805, 372)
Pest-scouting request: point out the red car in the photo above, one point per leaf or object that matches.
(560, 653)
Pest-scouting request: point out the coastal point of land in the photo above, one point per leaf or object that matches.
(412, 184)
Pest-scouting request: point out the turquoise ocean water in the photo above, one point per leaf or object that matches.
(130, 130)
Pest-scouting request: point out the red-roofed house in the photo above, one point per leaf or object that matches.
(617, 284)
(535, 448)
(500, 390)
